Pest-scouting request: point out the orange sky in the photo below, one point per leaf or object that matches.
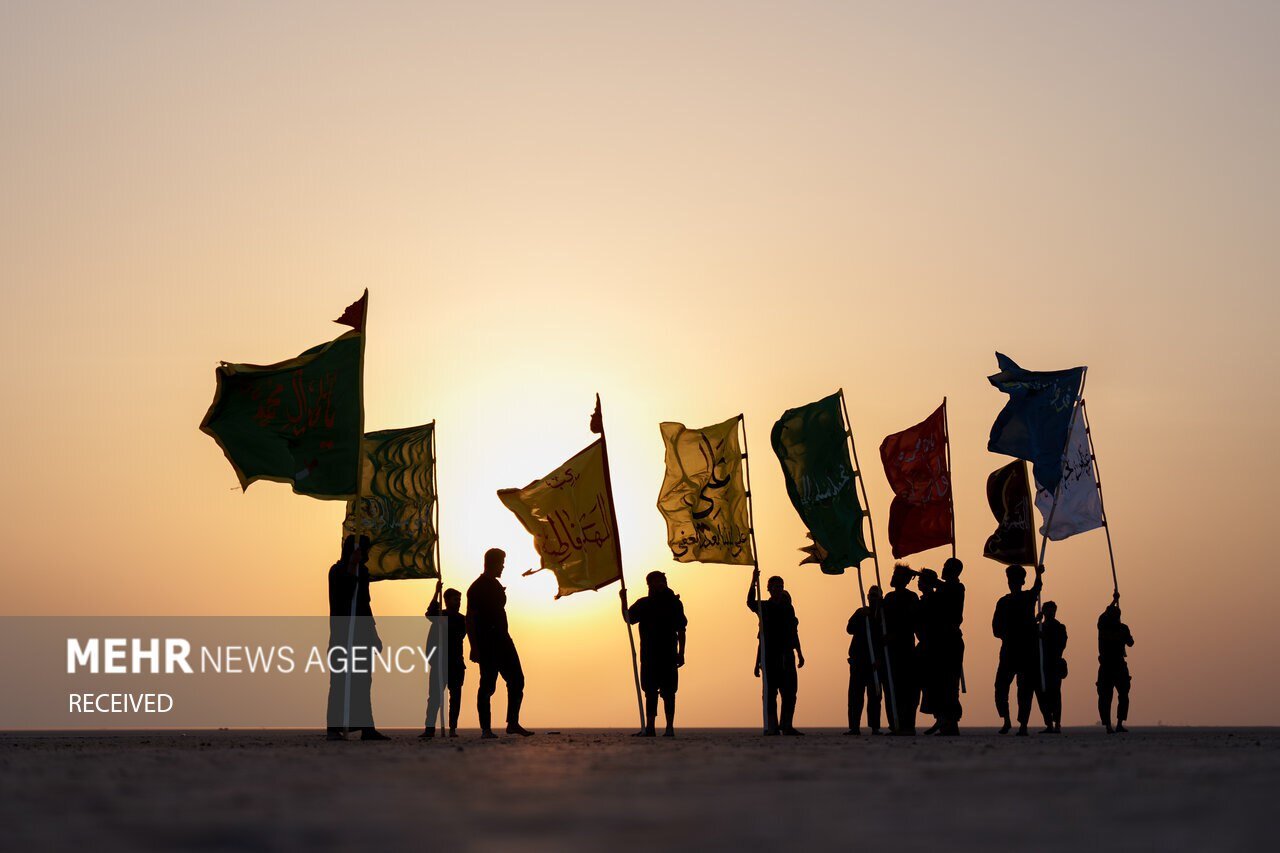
(695, 209)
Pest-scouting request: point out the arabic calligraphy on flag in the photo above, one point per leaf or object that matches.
(915, 461)
(1009, 495)
(703, 496)
(1079, 504)
(569, 516)
(811, 445)
(296, 421)
(397, 503)
(1035, 422)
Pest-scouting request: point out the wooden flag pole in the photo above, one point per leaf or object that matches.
(1097, 476)
(622, 575)
(951, 503)
(442, 621)
(755, 562)
(875, 556)
(1048, 523)
(355, 592)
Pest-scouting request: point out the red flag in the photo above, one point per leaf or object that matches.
(597, 420)
(354, 315)
(915, 461)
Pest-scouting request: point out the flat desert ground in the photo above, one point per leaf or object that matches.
(1153, 789)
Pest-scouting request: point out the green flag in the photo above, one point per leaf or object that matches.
(810, 444)
(397, 503)
(297, 421)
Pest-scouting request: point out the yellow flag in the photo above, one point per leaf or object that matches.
(569, 514)
(703, 497)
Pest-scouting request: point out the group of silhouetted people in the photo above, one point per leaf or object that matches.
(906, 652)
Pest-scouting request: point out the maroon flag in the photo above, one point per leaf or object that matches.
(915, 461)
(1009, 494)
(354, 315)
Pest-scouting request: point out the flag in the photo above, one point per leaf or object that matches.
(810, 443)
(353, 316)
(703, 496)
(1034, 423)
(570, 515)
(397, 503)
(915, 461)
(297, 421)
(1079, 502)
(1009, 494)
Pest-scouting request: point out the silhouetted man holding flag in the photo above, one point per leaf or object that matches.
(353, 635)
(778, 652)
(491, 645)
(1114, 638)
(1014, 624)
(662, 622)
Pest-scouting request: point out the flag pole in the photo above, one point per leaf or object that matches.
(355, 591)
(755, 582)
(1048, 523)
(442, 621)
(622, 575)
(875, 556)
(1097, 476)
(951, 502)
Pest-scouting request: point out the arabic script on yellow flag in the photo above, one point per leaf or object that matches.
(571, 520)
(703, 497)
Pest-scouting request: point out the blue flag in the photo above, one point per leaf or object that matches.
(1035, 423)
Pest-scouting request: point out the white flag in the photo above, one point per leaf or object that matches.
(1079, 504)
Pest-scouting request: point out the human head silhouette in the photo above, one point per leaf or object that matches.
(1050, 610)
(874, 596)
(927, 580)
(1017, 576)
(452, 599)
(656, 580)
(495, 559)
(951, 569)
(775, 586)
(902, 575)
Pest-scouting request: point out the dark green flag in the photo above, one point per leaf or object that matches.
(297, 421)
(810, 443)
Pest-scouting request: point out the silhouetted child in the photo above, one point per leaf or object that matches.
(866, 653)
(1113, 670)
(452, 669)
(1054, 636)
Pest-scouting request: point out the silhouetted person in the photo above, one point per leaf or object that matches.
(948, 642)
(1054, 636)
(453, 630)
(662, 622)
(866, 656)
(930, 651)
(1014, 623)
(902, 626)
(1114, 638)
(780, 652)
(353, 635)
(491, 645)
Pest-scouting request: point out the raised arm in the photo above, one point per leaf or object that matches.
(751, 591)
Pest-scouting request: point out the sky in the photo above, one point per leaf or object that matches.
(695, 209)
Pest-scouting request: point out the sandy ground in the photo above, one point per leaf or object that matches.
(1153, 789)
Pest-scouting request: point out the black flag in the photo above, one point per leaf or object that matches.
(1009, 493)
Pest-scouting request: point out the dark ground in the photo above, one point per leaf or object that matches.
(1153, 789)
